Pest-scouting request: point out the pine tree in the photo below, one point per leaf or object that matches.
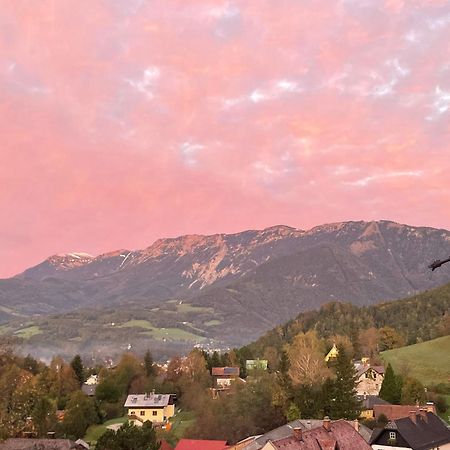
(77, 367)
(344, 404)
(148, 364)
(390, 388)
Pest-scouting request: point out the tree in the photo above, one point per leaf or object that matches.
(195, 368)
(345, 404)
(31, 364)
(412, 392)
(389, 339)
(78, 369)
(390, 388)
(43, 415)
(369, 342)
(129, 437)
(306, 358)
(80, 413)
(149, 364)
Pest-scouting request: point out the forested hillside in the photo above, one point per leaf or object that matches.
(407, 321)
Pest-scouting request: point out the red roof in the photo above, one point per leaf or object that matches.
(200, 444)
(341, 435)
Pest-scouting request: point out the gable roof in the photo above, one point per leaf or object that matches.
(147, 400)
(393, 412)
(341, 435)
(200, 444)
(421, 434)
(362, 369)
(369, 401)
(37, 444)
(286, 431)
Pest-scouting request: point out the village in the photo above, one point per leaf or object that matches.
(369, 422)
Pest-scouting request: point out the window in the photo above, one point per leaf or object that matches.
(155, 413)
(392, 435)
(142, 413)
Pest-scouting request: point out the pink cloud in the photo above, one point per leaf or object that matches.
(128, 121)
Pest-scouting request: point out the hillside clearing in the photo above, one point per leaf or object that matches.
(429, 361)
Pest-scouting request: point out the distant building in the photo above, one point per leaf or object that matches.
(369, 378)
(393, 412)
(421, 430)
(330, 436)
(93, 379)
(332, 354)
(256, 364)
(156, 408)
(223, 377)
(368, 402)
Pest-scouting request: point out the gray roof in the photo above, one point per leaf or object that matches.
(147, 401)
(368, 401)
(37, 444)
(89, 389)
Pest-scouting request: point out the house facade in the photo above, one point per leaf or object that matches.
(369, 379)
(155, 408)
(418, 431)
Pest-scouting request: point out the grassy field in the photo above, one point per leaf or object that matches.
(28, 332)
(95, 431)
(428, 361)
(169, 334)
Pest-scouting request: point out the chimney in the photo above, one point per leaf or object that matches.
(327, 423)
(412, 416)
(430, 407)
(355, 424)
(297, 433)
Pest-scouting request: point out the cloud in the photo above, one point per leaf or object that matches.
(145, 119)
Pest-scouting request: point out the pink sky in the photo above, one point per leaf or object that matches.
(128, 120)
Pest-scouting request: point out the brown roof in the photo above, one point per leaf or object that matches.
(225, 371)
(38, 444)
(393, 412)
(341, 435)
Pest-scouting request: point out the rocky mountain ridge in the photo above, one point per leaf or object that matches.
(267, 275)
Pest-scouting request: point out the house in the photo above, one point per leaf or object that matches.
(90, 385)
(337, 435)
(332, 354)
(223, 377)
(256, 364)
(369, 379)
(88, 389)
(421, 430)
(93, 379)
(156, 408)
(42, 444)
(367, 404)
(393, 412)
(258, 442)
(200, 444)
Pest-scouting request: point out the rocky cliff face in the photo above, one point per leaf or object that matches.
(271, 274)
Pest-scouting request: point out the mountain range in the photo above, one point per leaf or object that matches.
(228, 287)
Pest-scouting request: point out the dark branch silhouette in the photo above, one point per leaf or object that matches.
(438, 263)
